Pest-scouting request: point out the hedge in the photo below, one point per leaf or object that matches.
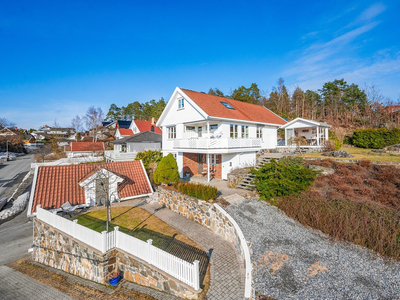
(376, 138)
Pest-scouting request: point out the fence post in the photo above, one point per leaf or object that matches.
(150, 252)
(116, 228)
(104, 241)
(75, 225)
(196, 277)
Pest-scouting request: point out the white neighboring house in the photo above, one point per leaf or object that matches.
(123, 132)
(84, 185)
(312, 131)
(210, 135)
(138, 126)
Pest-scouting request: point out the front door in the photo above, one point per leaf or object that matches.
(200, 162)
(101, 191)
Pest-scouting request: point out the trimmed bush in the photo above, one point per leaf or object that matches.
(376, 138)
(286, 177)
(149, 156)
(199, 191)
(167, 170)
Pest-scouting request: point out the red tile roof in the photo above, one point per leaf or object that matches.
(144, 126)
(243, 111)
(124, 131)
(56, 185)
(85, 146)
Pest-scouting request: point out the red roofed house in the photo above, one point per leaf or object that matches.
(87, 184)
(138, 126)
(79, 149)
(123, 132)
(211, 135)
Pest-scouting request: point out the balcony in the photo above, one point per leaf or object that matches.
(217, 143)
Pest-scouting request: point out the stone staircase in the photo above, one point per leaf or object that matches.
(246, 181)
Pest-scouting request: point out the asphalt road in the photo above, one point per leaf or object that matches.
(15, 238)
(11, 170)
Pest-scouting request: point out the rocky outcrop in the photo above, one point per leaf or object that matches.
(340, 153)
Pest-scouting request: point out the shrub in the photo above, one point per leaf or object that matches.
(199, 191)
(376, 138)
(366, 224)
(149, 156)
(167, 170)
(286, 177)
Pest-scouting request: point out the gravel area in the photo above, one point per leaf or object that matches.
(291, 261)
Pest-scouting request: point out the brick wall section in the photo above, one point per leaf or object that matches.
(191, 165)
(60, 251)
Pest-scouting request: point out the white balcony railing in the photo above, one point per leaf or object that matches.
(217, 143)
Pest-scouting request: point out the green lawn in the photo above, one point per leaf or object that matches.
(361, 153)
(136, 222)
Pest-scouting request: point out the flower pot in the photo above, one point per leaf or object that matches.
(115, 280)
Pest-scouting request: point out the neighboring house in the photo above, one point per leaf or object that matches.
(393, 108)
(143, 126)
(312, 131)
(8, 132)
(211, 135)
(79, 149)
(123, 132)
(85, 185)
(54, 131)
(138, 142)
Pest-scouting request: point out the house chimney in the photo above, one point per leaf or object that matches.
(152, 121)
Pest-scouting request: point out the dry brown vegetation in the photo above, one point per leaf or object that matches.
(358, 203)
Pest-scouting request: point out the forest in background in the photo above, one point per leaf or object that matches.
(343, 105)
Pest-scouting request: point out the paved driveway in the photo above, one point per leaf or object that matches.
(15, 238)
(12, 170)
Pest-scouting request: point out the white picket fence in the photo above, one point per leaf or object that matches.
(172, 265)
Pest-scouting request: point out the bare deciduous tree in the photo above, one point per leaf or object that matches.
(93, 119)
(77, 124)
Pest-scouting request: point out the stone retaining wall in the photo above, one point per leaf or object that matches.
(355, 161)
(235, 177)
(59, 250)
(201, 212)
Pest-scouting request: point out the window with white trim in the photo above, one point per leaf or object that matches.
(245, 132)
(181, 103)
(172, 132)
(190, 128)
(234, 131)
(214, 161)
(259, 132)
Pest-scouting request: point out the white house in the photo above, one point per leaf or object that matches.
(312, 131)
(84, 185)
(211, 135)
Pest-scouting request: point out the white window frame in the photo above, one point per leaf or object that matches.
(171, 132)
(181, 103)
(259, 132)
(235, 132)
(214, 160)
(245, 132)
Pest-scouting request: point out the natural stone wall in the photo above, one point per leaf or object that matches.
(137, 271)
(59, 250)
(201, 212)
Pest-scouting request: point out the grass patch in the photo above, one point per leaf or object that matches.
(361, 153)
(136, 222)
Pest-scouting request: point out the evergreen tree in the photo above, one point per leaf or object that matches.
(167, 170)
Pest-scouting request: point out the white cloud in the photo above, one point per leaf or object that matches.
(337, 58)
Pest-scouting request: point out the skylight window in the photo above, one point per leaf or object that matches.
(227, 105)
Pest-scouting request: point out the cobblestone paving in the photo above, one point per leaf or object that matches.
(227, 273)
(17, 286)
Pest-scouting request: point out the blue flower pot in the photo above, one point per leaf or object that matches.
(115, 280)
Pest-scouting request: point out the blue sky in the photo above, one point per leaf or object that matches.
(57, 58)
